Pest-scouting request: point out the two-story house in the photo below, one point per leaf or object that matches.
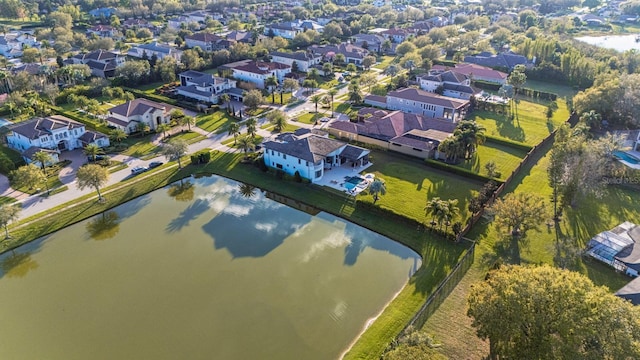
(207, 41)
(396, 35)
(310, 154)
(417, 101)
(103, 31)
(371, 42)
(101, 62)
(257, 72)
(448, 83)
(353, 54)
(130, 115)
(205, 87)
(157, 49)
(476, 72)
(304, 60)
(287, 30)
(53, 132)
(11, 44)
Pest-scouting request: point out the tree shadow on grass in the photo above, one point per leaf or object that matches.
(510, 130)
(439, 257)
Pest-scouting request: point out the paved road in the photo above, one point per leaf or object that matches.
(35, 204)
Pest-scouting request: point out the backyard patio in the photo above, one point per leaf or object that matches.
(336, 177)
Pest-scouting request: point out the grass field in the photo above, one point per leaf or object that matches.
(189, 137)
(140, 146)
(530, 127)
(410, 183)
(216, 122)
(506, 159)
(384, 62)
(290, 127)
(312, 117)
(550, 245)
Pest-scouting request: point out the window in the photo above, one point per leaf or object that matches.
(318, 173)
(284, 156)
(279, 166)
(299, 161)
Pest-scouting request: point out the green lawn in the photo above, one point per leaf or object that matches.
(452, 327)
(140, 147)
(410, 183)
(189, 137)
(564, 92)
(218, 121)
(231, 142)
(13, 155)
(506, 159)
(530, 127)
(384, 62)
(311, 117)
(290, 127)
(6, 200)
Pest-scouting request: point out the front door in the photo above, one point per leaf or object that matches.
(62, 145)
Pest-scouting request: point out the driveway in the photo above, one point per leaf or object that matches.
(68, 173)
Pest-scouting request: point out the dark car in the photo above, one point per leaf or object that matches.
(98, 158)
(155, 164)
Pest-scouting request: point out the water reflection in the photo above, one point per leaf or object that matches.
(105, 226)
(187, 215)
(246, 190)
(18, 264)
(182, 191)
(251, 226)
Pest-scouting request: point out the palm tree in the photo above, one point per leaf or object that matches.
(143, 128)
(355, 94)
(246, 144)
(433, 208)
(92, 150)
(225, 99)
(234, 129)
(450, 211)
(163, 128)
(471, 135)
(252, 127)
(332, 92)
(43, 158)
(271, 82)
(313, 74)
(339, 58)
(377, 187)
(117, 135)
(452, 147)
(187, 120)
(278, 119)
(316, 99)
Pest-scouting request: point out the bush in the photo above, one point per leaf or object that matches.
(456, 170)
(508, 143)
(297, 177)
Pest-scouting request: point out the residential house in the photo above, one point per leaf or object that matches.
(631, 291)
(616, 247)
(476, 72)
(179, 22)
(448, 83)
(105, 12)
(422, 102)
(256, 72)
(154, 48)
(507, 60)
(304, 60)
(310, 154)
(410, 134)
(207, 41)
(54, 133)
(371, 42)
(240, 36)
(396, 35)
(101, 62)
(103, 31)
(129, 115)
(34, 69)
(205, 87)
(287, 30)
(353, 54)
(199, 16)
(311, 25)
(11, 44)
(593, 20)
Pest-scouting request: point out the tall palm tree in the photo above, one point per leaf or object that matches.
(143, 128)
(225, 99)
(43, 158)
(316, 99)
(92, 150)
(271, 82)
(313, 74)
(252, 127)
(163, 128)
(234, 130)
(246, 143)
(471, 135)
(332, 92)
(452, 147)
(433, 208)
(377, 187)
(117, 135)
(450, 211)
(355, 94)
(187, 120)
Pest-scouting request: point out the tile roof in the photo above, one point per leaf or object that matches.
(203, 37)
(311, 148)
(139, 107)
(90, 136)
(298, 55)
(259, 67)
(427, 98)
(348, 50)
(472, 70)
(36, 127)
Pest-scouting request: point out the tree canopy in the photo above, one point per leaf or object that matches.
(548, 313)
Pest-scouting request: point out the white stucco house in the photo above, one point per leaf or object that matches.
(257, 72)
(155, 48)
(418, 101)
(204, 87)
(311, 154)
(12, 44)
(304, 60)
(129, 115)
(53, 133)
(448, 83)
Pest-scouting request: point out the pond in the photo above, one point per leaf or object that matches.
(616, 42)
(204, 269)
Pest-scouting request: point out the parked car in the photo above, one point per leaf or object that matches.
(324, 119)
(155, 164)
(138, 169)
(98, 158)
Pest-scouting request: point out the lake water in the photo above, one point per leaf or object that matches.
(210, 271)
(616, 42)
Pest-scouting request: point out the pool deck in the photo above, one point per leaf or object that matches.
(336, 176)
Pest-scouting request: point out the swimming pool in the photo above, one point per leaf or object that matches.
(626, 157)
(352, 182)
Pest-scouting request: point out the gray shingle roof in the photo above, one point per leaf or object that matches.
(138, 107)
(312, 148)
(36, 127)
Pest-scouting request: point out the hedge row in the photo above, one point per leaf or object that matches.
(486, 85)
(152, 97)
(508, 143)
(458, 171)
(449, 63)
(90, 125)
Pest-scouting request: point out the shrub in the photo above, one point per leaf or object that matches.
(297, 177)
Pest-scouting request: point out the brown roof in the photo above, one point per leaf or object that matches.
(139, 107)
(204, 37)
(428, 98)
(259, 67)
(474, 69)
